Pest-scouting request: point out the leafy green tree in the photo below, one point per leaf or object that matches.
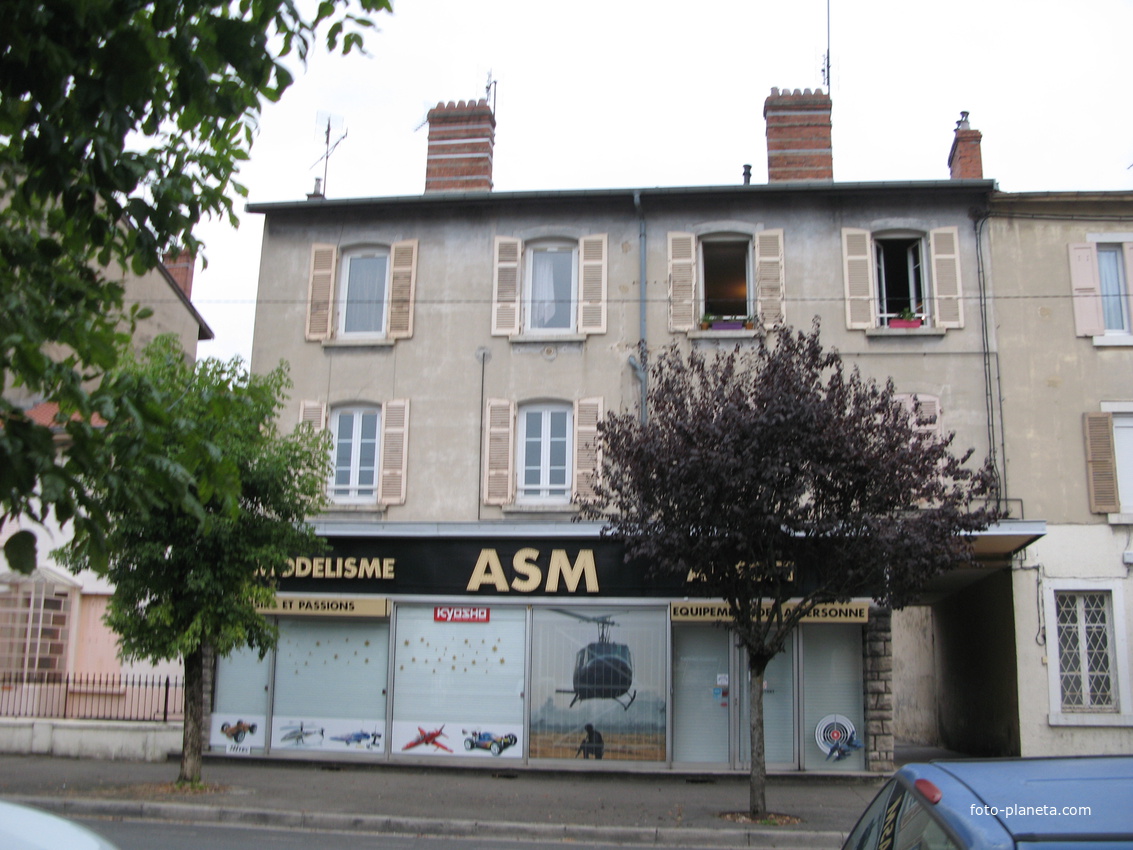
(769, 476)
(185, 583)
(122, 125)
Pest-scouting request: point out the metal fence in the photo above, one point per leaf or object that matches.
(92, 696)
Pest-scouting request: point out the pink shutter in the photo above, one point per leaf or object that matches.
(507, 255)
(499, 453)
(395, 444)
(1086, 289)
(320, 291)
(402, 288)
(592, 284)
(587, 414)
(1101, 463)
(858, 279)
(682, 282)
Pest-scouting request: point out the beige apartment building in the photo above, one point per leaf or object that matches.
(461, 345)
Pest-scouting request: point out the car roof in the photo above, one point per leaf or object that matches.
(1037, 799)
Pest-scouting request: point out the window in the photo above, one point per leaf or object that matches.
(924, 411)
(728, 276)
(887, 281)
(1099, 279)
(1085, 651)
(1109, 460)
(369, 450)
(549, 286)
(540, 453)
(361, 293)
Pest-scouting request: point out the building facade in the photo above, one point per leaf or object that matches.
(461, 346)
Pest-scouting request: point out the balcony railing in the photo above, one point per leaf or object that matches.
(92, 696)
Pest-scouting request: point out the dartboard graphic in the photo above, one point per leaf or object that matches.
(832, 730)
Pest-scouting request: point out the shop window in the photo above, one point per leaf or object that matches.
(889, 284)
(1103, 301)
(361, 294)
(549, 286)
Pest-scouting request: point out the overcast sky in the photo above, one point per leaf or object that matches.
(629, 93)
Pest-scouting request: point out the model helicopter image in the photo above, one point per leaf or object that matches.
(370, 739)
(299, 734)
(428, 738)
(603, 669)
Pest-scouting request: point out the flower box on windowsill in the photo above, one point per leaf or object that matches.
(727, 324)
(905, 323)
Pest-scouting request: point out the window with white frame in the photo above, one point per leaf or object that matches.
(361, 293)
(540, 454)
(549, 286)
(1084, 630)
(1099, 279)
(902, 278)
(369, 450)
(724, 278)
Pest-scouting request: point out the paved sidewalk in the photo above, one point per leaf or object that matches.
(499, 801)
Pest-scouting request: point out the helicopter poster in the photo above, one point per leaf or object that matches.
(598, 683)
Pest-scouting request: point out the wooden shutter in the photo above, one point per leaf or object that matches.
(682, 282)
(858, 279)
(313, 413)
(1101, 463)
(499, 454)
(395, 454)
(947, 292)
(1086, 289)
(507, 255)
(587, 413)
(592, 252)
(320, 291)
(769, 279)
(402, 288)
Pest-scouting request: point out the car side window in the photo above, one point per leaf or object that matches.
(917, 829)
(865, 834)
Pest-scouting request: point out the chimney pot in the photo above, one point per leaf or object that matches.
(965, 162)
(798, 135)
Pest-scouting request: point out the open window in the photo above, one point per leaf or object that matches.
(361, 293)
(549, 286)
(902, 279)
(725, 278)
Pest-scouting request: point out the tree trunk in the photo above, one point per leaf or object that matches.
(757, 795)
(194, 711)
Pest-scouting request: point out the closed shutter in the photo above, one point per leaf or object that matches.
(947, 292)
(402, 289)
(320, 291)
(499, 438)
(769, 279)
(506, 286)
(395, 445)
(592, 284)
(858, 279)
(926, 420)
(1101, 463)
(682, 282)
(587, 413)
(313, 413)
(1086, 288)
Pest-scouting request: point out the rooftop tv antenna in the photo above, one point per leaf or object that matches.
(826, 57)
(490, 91)
(329, 125)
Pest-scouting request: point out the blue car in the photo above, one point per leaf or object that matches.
(1002, 804)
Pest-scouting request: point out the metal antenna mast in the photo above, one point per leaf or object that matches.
(333, 123)
(826, 58)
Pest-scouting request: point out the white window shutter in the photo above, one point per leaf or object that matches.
(1101, 463)
(682, 282)
(402, 288)
(770, 285)
(506, 288)
(313, 413)
(858, 279)
(395, 451)
(499, 453)
(947, 291)
(1127, 254)
(592, 251)
(320, 291)
(587, 414)
(1086, 289)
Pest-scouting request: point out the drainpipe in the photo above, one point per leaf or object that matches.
(638, 367)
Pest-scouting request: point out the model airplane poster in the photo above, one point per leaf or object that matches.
(457, 738)
(335, 734)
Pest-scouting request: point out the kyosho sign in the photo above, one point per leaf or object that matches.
(471, 566)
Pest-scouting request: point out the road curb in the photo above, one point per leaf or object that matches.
(392, 824)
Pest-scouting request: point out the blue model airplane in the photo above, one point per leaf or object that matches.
(370, 739)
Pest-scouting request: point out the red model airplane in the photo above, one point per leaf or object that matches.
(428, 738)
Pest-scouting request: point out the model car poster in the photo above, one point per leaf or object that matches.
(457, 738)
(237, 734)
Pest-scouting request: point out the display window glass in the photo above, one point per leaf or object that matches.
(240, 711)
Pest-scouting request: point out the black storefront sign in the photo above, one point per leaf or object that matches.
(479, 566)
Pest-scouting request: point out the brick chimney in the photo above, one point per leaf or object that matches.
(798, 136)
(180, 266)
(461, 138)
(965, 161)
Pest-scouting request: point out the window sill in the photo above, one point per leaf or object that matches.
(544, 338)
(727, 333)
(1091, 719)
(1120, 519)
(1114, 341)
(906, 332)
(560, 508)
(353, 508)
(361, 342)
